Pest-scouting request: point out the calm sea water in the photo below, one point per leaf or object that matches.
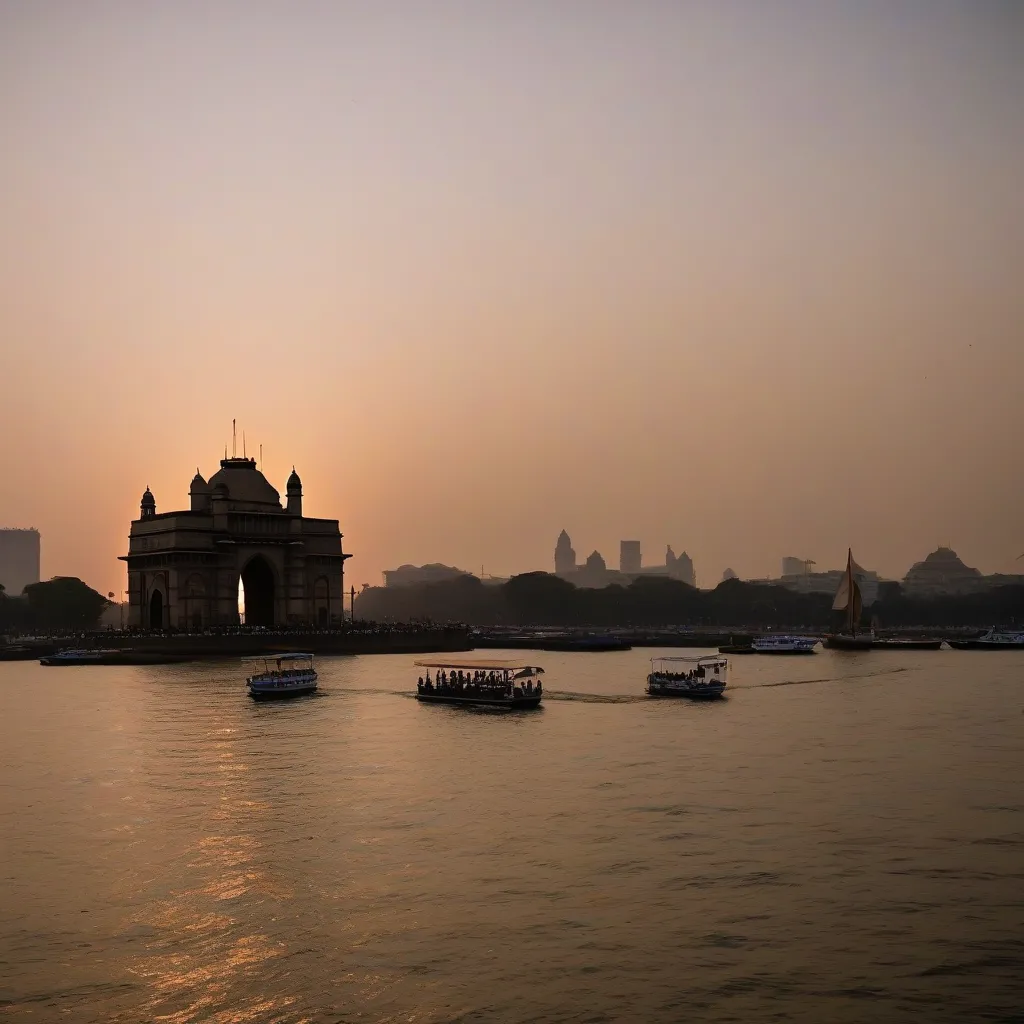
(841, 840)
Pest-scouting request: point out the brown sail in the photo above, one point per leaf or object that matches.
(848, 600)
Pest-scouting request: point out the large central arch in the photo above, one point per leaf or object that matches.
(258, 590)
(156, 610)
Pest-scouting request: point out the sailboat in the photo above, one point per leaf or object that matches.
(848, 600)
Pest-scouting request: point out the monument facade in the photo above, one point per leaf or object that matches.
(184, 567)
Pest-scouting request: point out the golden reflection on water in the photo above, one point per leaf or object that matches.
(203, 964)
(358, 856)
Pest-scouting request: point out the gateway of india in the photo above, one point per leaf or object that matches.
(184, 567)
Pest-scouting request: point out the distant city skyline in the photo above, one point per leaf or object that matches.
(741, 275)
(413, 571)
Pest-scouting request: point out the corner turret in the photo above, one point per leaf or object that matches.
(199, 493)
(293, 491)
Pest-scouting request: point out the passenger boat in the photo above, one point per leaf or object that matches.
(848, 600)
(94, 656)
(502, 684)
(993, 640)
(703, 678)
(783, 644)
(282, 676)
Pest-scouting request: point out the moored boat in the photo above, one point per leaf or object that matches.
(993, 640)
(501, 684)
(782, 643)
(703, 678)
(69, 656)
(282, 676)
(849, 641)
(848, 599)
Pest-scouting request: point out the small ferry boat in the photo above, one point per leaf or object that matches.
(503, 684)
(277, 677)
(993, 640)
(95, 656)
(779, 643)
(702, 678)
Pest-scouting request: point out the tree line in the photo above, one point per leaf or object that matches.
(542, 599)
(63, 603)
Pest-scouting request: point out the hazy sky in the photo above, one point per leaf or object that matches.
(743, 277)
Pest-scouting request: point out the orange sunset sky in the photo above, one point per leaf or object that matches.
(740, 277)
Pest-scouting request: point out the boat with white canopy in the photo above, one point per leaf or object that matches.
(505, 684)
(703, 678)
(279, 676)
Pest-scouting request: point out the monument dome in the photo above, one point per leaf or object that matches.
(245, 483)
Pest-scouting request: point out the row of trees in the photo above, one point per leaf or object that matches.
(63, 603)
(541, 599)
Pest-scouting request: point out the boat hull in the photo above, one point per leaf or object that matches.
(282, 692)
(838, 642)
(693, 693)
(57, 660)
(782, 651)
(60, 662)
(492, 702)
(985, 645)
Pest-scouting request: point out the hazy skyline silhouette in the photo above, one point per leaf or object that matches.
(737, 278)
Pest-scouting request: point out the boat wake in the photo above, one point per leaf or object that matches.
(595, 698)
(634, 698)
(824, 679)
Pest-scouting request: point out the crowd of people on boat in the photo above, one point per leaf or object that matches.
(478, 683)
(694, 675)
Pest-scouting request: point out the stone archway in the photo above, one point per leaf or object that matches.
(258, 592)
(156, 610)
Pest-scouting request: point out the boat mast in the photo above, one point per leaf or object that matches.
(849, 592)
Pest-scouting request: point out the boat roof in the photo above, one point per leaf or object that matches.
(515, 665)
(693, 660)
(291, 656)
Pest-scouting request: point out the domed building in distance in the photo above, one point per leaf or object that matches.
(184, 567)
(942, 572)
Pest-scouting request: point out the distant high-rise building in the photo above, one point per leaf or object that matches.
(565, 556)
(19, 559)
(796, 566)
(680, 567)
(729, 574)
(630, 558)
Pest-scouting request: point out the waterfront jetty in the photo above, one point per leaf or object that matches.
(148, 648)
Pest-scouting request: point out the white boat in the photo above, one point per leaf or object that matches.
(277, 677)
(781, 643)
(703, 678)
(993, 640)
(70, 656)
